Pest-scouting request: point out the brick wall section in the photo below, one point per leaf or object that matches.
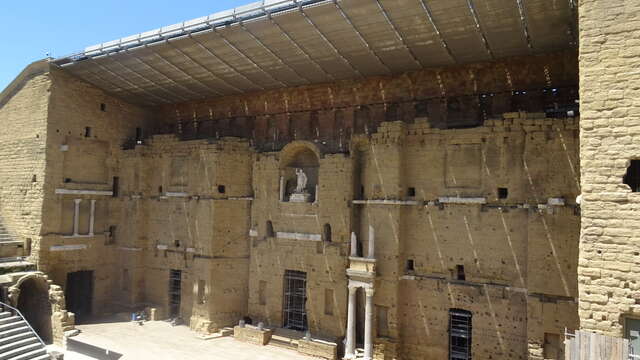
(610, 137)
(23, 135)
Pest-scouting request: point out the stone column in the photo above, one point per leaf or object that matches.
(368, 325)
(350, 346)
(282, 188)
(372, 242)
(92, 217)
(76, 216)
(354, 245)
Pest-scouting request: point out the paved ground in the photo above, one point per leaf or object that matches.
(158, 340)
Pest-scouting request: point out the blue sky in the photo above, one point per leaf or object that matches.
(30, 29)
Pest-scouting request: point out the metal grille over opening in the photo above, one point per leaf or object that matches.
(175, 287)
(295, 298)
(459, 334)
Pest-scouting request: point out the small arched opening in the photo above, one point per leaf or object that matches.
(33, 303)
(326, 233)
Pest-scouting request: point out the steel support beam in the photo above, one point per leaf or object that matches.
(286, 34)
(161, 74)
(472, 9)
(255, 64)
(427, 11)
(360, 36)
(523, 21)
(160, 87)
(273, 53)
(205, 86)
(226, 83)
(142, 92)
(210, 53)
(333, 47)
(397, 33)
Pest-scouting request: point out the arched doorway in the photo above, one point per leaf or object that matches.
(33, 303)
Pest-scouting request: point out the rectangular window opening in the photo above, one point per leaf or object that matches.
(460, 275)
(116, 186)
(87, 131)
(410, 265)
(503, 193)
(411, 192)
(103, 107)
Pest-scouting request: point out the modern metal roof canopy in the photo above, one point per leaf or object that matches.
(274, 43)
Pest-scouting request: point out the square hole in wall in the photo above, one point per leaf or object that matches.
(410, 265)
(411, 192)
(176, 243)
(103, 107)
(503, 193)
(221, 189)
(87, 131)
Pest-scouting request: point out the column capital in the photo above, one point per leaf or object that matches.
(77, 201)
(369, 291)
(352, 289)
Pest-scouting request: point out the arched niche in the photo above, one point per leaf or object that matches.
(296, 157)
(33, 302)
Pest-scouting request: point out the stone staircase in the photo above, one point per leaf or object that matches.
(18, 341)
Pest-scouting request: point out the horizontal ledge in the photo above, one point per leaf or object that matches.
(80, 236)
(298, 236)
(68, 247)
(83, 192)
(175, 194)
(462, 200)
(362, 259)
(385, 202)
(130, 248)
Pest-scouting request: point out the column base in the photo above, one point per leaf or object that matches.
(349, 357)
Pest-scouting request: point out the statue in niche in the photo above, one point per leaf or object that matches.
(302, 181)
(300, 193)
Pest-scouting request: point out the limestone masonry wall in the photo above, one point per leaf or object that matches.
(610, 139)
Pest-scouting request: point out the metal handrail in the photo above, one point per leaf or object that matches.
(23, 318)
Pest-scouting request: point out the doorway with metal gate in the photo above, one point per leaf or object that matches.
(294, 314)
(175, 289)
(79, 294)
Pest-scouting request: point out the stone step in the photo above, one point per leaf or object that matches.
(42, 357)
(10, 319)
(11, 325)
(15, 331)
(5, 314)
(21, 352)
(33, 354)
(19, 336)
(18, 343)
(287, 344)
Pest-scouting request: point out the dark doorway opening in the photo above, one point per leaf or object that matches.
(175, 288)
(34, 305)
(295, 299)
(79, 294)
